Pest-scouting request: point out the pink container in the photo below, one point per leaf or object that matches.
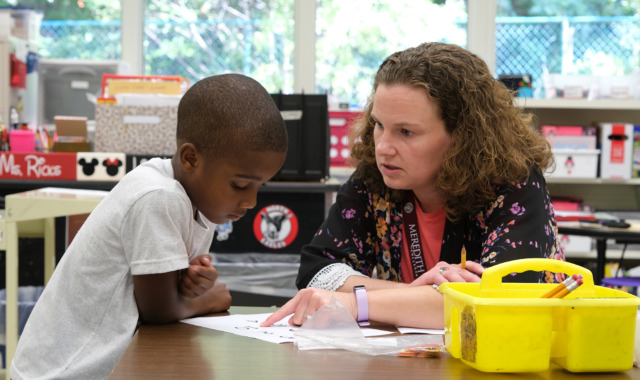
(22, 141)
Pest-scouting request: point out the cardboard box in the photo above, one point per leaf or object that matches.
(617, 149)
(143, 130)
(71, 134)
(575, 163)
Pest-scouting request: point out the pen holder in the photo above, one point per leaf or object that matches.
(507, 327)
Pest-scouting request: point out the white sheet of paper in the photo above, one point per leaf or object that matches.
(415, 330)
(249, 325)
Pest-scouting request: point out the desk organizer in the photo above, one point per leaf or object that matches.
(507, 327)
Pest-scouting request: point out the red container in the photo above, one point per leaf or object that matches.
(22, 141)
(339, 124)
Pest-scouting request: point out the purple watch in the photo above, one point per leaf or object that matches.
(363, 305)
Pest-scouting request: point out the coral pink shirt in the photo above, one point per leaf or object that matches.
(431, 226)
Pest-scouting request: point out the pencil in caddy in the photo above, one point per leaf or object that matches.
(508, 327)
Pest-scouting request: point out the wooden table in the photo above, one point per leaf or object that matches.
(183, 351)
(32, 213)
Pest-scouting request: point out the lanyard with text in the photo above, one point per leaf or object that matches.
(412, 232)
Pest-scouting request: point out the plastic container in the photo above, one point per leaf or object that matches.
(339, 124)
(507, 327)
(26, 22)
(22, 141)
(575, 163)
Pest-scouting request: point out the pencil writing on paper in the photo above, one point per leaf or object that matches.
(463, 258)
(570, 288)
(562, 286)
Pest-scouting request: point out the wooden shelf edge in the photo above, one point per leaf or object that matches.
(593, 181)
(604, 104)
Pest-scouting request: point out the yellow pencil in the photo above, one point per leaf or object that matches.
(463, 258)
(562, 286)
(570, 288)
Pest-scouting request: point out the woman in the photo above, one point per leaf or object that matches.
(445, 163)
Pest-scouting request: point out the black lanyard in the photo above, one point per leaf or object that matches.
(412, 232)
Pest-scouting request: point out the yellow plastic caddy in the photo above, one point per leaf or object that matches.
(507, 327)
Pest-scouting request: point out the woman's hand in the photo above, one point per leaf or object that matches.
(307, 302)
(444, 272)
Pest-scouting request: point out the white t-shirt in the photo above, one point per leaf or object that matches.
(87, 314)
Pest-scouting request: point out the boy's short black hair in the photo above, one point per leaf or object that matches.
(228, 114)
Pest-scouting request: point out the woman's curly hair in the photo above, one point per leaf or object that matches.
(493, 142)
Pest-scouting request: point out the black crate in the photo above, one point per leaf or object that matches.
(307, 121)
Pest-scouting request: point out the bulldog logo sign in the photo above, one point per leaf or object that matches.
(275, 226)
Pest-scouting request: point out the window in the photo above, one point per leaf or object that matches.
(77, 29)
(199, 38)
(353, 37)
(597, 37)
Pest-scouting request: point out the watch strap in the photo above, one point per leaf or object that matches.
(362, 305)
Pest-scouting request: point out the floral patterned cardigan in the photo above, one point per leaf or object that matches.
(364, 231)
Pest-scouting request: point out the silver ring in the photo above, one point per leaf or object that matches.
(307, 315)
(443, 269)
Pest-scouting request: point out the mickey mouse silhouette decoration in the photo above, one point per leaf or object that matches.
(88, 168)
(100, 166)
(112, 165)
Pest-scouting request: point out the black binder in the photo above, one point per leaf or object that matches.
(307, 121)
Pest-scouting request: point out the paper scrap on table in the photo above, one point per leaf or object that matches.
(249, 325)
(415, 330)
(332, 326)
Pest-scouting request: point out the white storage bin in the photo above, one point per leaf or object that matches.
(568, 86)
(617, 150)
(619, 86)
(575, 244)
(575, 163)
(6, 24)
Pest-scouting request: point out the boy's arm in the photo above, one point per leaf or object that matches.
(159, 299)
(198, 277)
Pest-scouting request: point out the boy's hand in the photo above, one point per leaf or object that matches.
(219, 297)
(198, 278)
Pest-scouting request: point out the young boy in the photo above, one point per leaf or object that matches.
(129, 260)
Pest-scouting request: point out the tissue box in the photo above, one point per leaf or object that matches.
(617, 149)
(145, 130)
(72, 134)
